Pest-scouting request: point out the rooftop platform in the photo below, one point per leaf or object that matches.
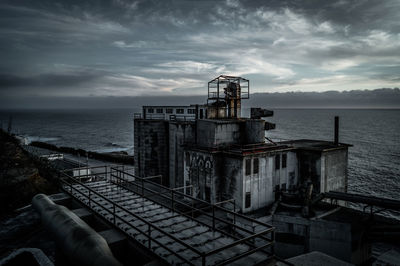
(303, 144)
(313, 145)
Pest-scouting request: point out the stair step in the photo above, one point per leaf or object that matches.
(191, 232)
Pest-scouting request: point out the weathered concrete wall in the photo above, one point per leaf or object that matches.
(211, 133)
(214, 112)
(258, 184)
(297, 235)
(285, 177)
(291, 235)
(254, 131)
(333, 238)
(230, 183)
(180, 133)
(231, 180)
(151, 148)
(334, 170)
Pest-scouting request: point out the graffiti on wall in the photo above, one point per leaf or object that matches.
(199, 168)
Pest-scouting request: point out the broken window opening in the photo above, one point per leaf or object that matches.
(248, 167)
(247, 203)
(277, 161)
(255, 166)
(284, 159)
(208, 193)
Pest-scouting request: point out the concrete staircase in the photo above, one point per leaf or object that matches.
(166, 227)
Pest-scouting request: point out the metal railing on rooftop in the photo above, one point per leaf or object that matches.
(219, 219)
(182, 117)
(171, 117)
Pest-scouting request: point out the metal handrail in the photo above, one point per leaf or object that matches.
(191, 217)
(182, 117)
(85, 167)
(196, 199)
(201, 210)
(134, 215)
(135, 228)
(239, 241)
(116, 175)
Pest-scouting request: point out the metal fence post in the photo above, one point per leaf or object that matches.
(234, 214)
(172, 202)
(203, 259)
(273, 242)
(192, 208)
(213, 214)
(149, 233)
(114, 212)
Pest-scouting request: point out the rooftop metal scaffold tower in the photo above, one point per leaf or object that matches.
(224, 96)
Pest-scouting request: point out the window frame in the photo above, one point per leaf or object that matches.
(247, 200)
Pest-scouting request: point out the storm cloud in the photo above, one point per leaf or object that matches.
(131, 48)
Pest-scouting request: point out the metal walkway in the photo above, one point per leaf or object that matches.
(171, 227)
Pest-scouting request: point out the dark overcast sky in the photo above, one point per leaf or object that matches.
(128, 48)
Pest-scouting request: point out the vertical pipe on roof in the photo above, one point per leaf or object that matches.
(336, 130)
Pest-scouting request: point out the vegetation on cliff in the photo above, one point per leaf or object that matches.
(21, 177)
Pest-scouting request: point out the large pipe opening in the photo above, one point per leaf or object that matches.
(78, 241)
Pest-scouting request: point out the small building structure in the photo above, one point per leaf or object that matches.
(215, 154)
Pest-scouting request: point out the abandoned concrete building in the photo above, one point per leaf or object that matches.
(292, 193)
(215, 154)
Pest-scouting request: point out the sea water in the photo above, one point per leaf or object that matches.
(374, 158)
